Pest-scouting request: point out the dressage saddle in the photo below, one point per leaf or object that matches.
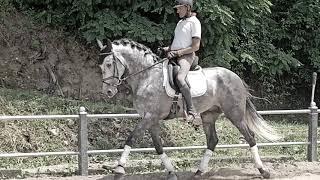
(173, 69)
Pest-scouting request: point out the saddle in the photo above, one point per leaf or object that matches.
(173, 70)
(196, 80)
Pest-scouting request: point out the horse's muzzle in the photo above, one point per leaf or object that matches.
(110, 92)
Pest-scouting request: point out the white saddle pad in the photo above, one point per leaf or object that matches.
(196, 79)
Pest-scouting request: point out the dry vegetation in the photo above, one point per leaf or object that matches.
(61, 135)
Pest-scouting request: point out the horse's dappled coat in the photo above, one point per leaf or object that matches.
(226, 93)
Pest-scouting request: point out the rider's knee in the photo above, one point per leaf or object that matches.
(180, 80)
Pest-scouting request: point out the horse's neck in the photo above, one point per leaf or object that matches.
(138, 60)
(135, 59)
(136, 64)
(141, 64)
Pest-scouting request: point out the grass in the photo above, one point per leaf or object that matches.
(61, 135)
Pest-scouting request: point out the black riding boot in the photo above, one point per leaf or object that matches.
(191, 113)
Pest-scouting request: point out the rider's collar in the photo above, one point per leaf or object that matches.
(186, 16)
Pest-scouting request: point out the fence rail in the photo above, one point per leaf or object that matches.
(83, 151)
(55, 117)
(109, 151)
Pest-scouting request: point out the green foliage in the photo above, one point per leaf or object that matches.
(143, 21)
(299, 26)
(5, 7)
(241, 35)
(266, 40)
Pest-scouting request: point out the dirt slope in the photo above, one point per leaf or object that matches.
(38, 57)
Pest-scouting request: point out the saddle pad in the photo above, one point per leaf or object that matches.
(197, 81)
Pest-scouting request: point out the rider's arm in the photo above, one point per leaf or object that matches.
(194, 47)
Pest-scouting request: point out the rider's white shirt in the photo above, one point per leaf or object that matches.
(185, 30)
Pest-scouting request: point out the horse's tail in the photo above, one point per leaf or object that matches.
(257, 124)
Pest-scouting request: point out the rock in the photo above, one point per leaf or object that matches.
(54, 132)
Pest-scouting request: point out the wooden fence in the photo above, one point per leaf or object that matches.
(83, 151)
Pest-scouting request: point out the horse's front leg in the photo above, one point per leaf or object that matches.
(155, 134)
(139, 130)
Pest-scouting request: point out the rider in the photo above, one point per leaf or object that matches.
(186, 42)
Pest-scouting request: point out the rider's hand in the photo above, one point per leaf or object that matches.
(162, 51)
(173, 54)
(165, 49)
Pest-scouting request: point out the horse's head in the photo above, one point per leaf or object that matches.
(112, 67)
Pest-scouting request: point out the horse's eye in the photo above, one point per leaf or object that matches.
(108, 65)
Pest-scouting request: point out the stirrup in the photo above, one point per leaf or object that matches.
(189, 117)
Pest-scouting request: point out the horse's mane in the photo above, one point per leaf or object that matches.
(138, 46)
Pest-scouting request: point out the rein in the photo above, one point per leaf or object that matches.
(120, 80)
(133, 74)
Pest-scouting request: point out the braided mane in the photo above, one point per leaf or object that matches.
(138, 46)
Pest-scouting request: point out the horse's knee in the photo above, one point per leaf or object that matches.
(213, 141)
(252, 142)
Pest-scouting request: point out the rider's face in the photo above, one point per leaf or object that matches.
(181, 10)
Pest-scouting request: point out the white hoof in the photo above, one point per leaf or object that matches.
(172, 176)
(119, 170)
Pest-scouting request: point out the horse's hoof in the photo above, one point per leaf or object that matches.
(198, 174)
(119, 170)
(265, 174)
(118, 176)
(172, 176)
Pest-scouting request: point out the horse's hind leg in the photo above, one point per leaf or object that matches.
(237, 119)
(155, 134)
(208, 122)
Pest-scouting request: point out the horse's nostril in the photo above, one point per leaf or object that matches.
(109, 93)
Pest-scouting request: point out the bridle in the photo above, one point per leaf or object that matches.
(116, 74)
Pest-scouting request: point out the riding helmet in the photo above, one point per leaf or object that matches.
(183, 3)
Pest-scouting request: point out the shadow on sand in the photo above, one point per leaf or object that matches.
(219, 174)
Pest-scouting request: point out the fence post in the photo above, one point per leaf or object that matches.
(313, 125)
(83, 143)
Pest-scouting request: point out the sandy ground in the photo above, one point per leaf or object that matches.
(180, 176)
(283, 171)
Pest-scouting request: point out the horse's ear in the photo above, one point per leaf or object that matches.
(108, 45)
(100, 44)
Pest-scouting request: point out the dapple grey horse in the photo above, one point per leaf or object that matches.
(126, 60)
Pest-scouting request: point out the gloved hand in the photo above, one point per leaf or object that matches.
(173, 54)
(160, 52)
